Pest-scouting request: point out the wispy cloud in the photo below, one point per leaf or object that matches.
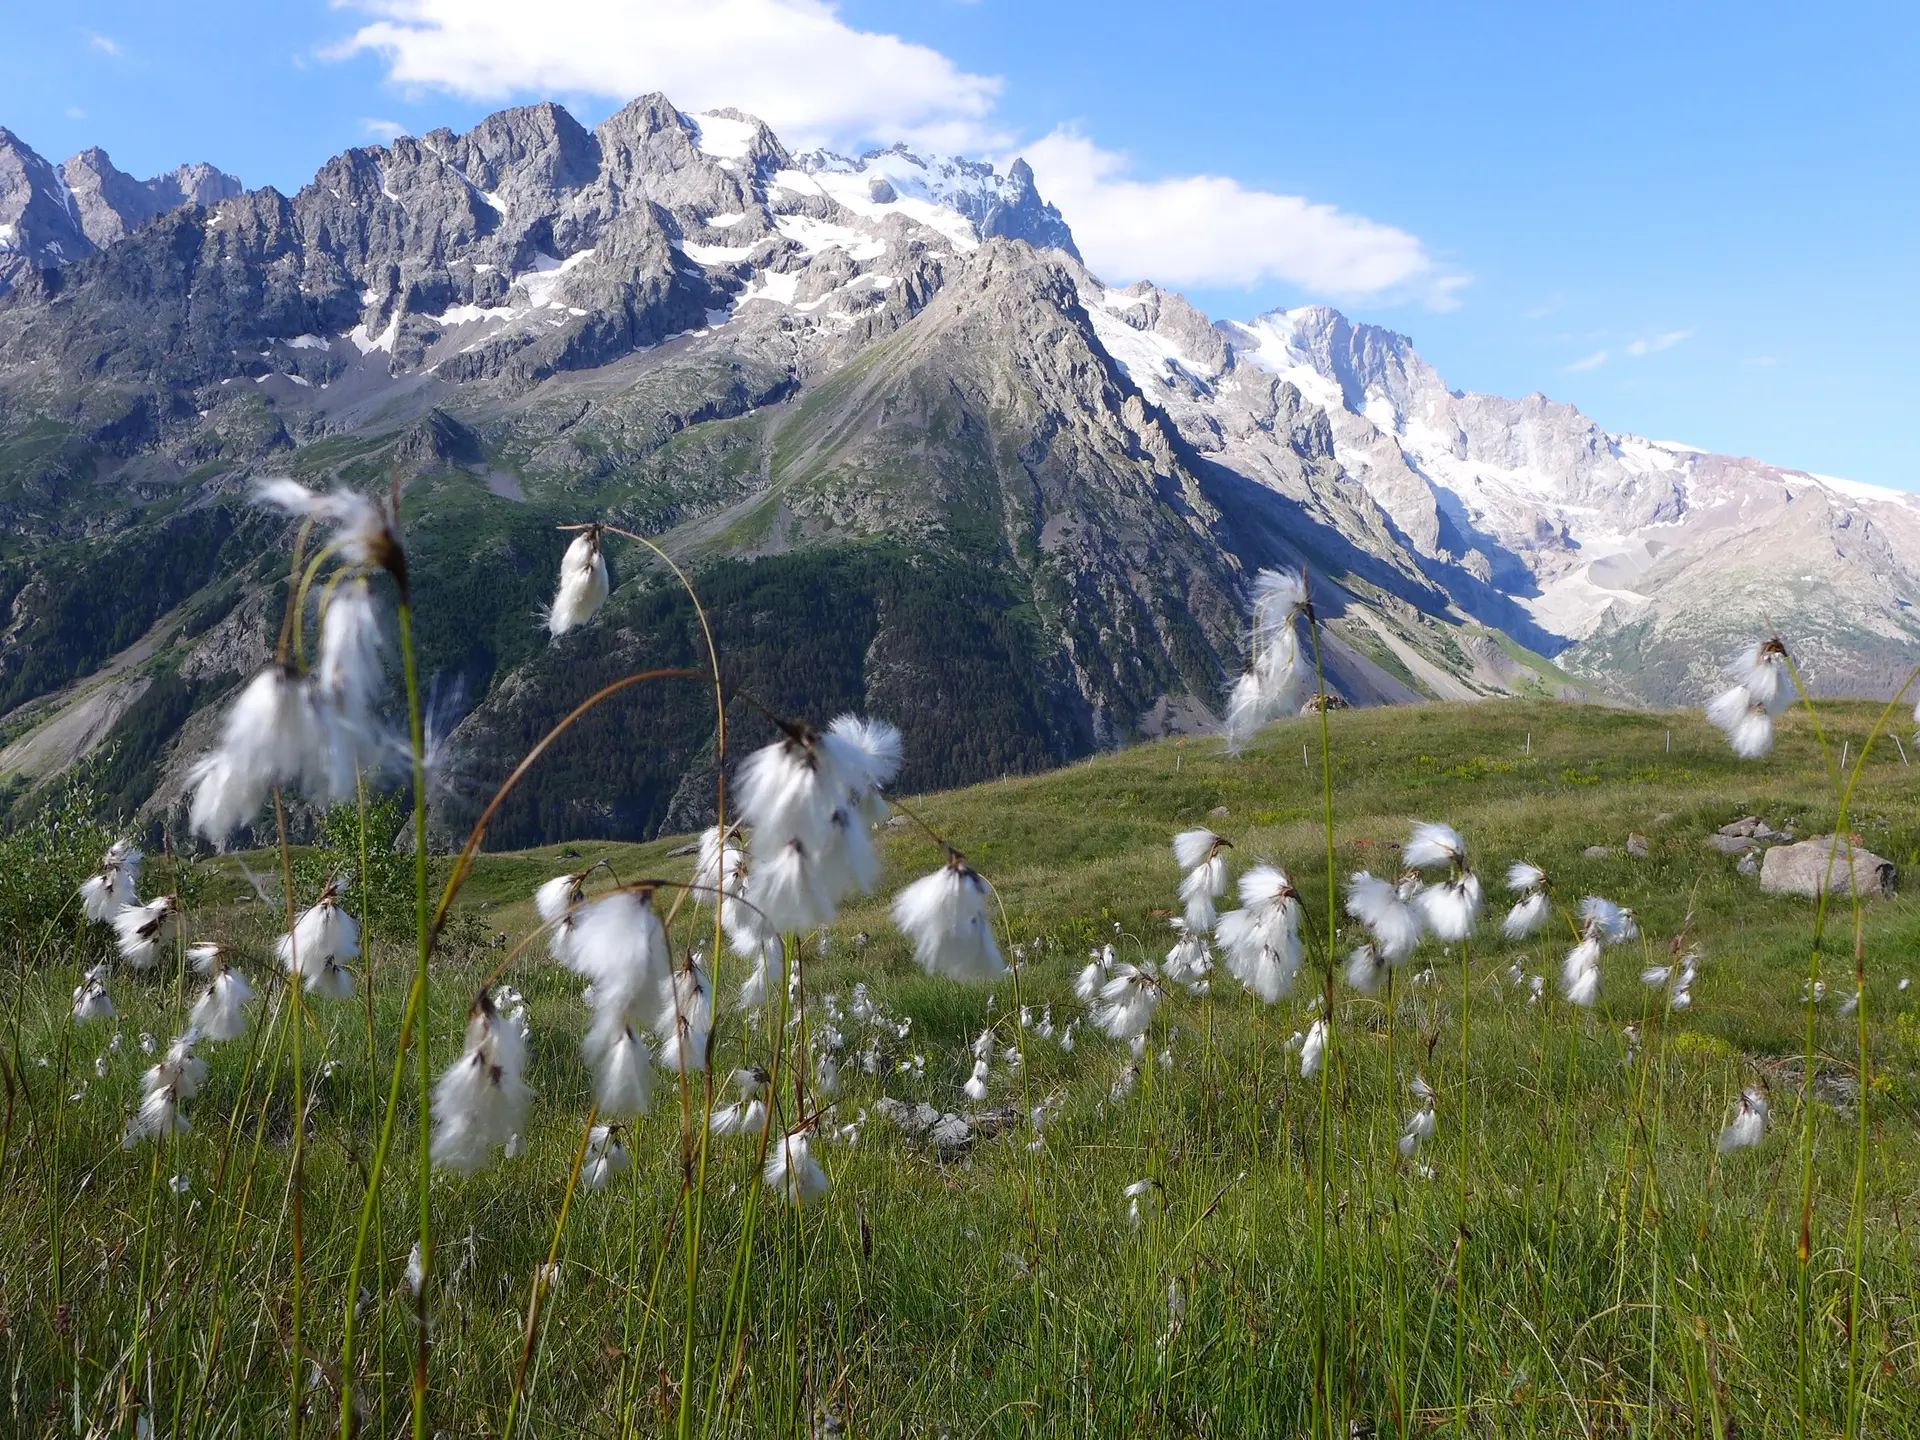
(387, 130)
(1664, 341)
(817, 79)
(105, 44)
(74, 112)
(1589, 362)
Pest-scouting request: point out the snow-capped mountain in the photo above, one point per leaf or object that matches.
(883, 406)
(1636, 562)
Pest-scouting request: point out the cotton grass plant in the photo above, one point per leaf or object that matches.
(836, 1128)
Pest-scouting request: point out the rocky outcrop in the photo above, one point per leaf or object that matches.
(1812, 866)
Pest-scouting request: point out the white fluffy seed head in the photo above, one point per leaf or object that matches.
(1611, 924)
(1271, 686)
(480, 1102)
(622, 1070)
(143, 932)
(347, 683)
(1451, 908)
(1763, 672)
(720, 868)
(1193, 848)
(1129, 997)
(1260, 942)
(1746, 721)
(867, 753)
(1278, 596)
(114, 885)
(583, 583)
(947, 916)
(1749, 1124)
(1200, 887)
(322, 941)
(792, 1172)
(91, 1002)
(620, 946)
(741, 1118)
(788, 887)
(362, 533)
(1524, 876)
(220, 1012)
(274, 735)
(1378, 904)
(1188, 962)
(1366, 971)
(1528, 916)
(1431, 844)
(1580, 973)
(555, 902)
(606, 1157)
(1313, 1049)
(811, 798)
(768, 973)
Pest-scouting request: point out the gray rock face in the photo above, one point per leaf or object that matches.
(111, 202)
(39, 226)
(52, 216)
(1810, 866)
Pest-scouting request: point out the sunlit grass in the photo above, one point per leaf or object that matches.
(1620, 1277)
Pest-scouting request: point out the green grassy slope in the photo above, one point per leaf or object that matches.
(1619, 1277)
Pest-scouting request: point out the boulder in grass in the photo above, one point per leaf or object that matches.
(1805, 868)
(1731, 844)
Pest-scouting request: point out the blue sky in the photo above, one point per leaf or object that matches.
(1694, 221)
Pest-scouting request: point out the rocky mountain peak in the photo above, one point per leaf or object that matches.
(54, 215)
(111, 202)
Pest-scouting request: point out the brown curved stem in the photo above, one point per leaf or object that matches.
(463, 864)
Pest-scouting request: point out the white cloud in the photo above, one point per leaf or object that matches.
(74, 112)
(818, 80)
(105, 44)
(1211, 230)
(387, 130)
(1664, 341)
(794, 63)
(1589, 362)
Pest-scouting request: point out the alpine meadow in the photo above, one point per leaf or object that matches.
(658, 785)
(1249, 1138)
